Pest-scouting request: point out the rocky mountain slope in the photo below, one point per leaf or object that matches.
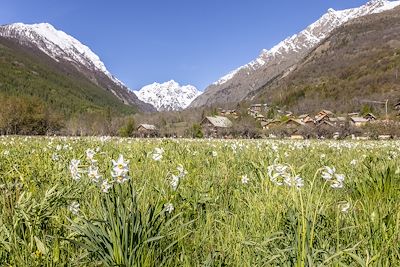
(70, 56)
(239, 83)
(168, 96)
(356, 66)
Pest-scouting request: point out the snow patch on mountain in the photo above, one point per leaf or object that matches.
(312, 35)
(58, 45)
(168, 96)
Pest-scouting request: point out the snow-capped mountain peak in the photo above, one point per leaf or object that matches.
(70, 53)
(313, 34)
(58, 45)
(168, 96)
(237, 84)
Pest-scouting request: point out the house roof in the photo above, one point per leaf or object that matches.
(149, 127)
(219, 121)
(370, 115)
(299, 122)
(324, 111)
(307, 119)
(359, 119)
(321, 116)
(303, 116)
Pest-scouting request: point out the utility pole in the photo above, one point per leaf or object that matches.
(386, 107)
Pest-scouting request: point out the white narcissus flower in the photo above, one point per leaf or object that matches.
(55, 157)
(214, 153)
(90, 155)
(120, 177)
(296, 181)
(328, 173)
(182, 171)
(353, 162)
(245, 179)
(120, 166)
(94, 174)
(278, 173)
(338, 182)
(169, 207)
(344, 207)
(120, 170)
(174, 181)
(105, 186)
(74, 169)
(74, 208)
(157, 154)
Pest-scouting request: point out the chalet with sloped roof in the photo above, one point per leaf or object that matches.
(217, 122)
(269, 124)
(358, 121)
(146, 130)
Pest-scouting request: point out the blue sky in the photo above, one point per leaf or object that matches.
(190, 41)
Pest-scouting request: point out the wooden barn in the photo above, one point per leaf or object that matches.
(146, 130)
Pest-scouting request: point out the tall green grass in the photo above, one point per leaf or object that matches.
(217, 219)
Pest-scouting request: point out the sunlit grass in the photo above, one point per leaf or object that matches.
(185, 203)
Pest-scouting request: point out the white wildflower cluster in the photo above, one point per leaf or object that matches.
(280, 174)
(169, 207)
(175, 179)
(93, 170)
(90, 153)
(75, 170)
(119, 172)
(344, 206)
(158, 154)
(234, 148)
(55, 157)
(336, 180)
(74, 208)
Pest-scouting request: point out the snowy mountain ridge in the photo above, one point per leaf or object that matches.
(168, 96)
(314, 33)
(57, 44)
(237, 84)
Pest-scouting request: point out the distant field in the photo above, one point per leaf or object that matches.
(138, 202)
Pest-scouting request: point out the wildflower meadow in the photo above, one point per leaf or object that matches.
(169, 202)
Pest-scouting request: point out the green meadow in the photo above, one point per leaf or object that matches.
(165, 202)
